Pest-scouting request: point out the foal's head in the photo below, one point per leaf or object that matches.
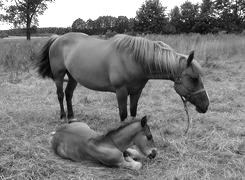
(189, 84)
(144, 140)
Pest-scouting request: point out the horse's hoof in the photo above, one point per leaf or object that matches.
(63, 116)
(72, 120)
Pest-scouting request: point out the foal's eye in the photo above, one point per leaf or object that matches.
(195, 80)
(149, 137)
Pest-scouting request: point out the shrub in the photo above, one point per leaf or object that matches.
(3, 35)
(110, 34)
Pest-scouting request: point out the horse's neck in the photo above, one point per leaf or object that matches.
(163, 71)
(159, 75)
(124, 138)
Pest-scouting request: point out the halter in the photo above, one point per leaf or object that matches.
(186, 97)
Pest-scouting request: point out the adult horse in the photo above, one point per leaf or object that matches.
(123, 65)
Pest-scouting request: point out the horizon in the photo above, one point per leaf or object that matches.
(82, 10)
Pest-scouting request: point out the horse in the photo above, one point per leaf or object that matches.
(77, 142)
(122, 64)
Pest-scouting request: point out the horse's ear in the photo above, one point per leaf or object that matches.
(190, 58)
(144, 121)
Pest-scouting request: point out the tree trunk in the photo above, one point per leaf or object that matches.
(28, 30)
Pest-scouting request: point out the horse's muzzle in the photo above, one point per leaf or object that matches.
(153, 154)
(201, 110)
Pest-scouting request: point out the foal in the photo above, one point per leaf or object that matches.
(77, 142)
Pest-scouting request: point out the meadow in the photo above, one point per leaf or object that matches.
(29, 112)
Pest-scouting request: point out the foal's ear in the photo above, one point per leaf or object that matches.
(144, 121)
(190, 58)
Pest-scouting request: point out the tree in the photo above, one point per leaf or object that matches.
(189, 14)
(131, 25)
(175, 19)
(79, 25)
(238, 11)
(205, 22)
(223, 13)
(122, 24)
(25, 12)
(151, 17)
(1, 6)
(104, 23)
(230, 13)
(90, 26)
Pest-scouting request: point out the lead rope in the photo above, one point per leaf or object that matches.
(187, 113)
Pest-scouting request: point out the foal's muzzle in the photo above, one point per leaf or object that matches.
(153, 154)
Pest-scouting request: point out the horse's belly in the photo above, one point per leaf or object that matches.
(92, 75)
(93, 82)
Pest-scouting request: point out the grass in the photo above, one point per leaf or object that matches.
(29, 111)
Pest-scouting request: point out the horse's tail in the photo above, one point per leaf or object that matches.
(43, 63)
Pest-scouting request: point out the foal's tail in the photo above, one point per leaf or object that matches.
(43, 64)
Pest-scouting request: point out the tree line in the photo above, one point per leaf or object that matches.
(210, 16)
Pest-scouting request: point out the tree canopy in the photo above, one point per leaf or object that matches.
(209, 16)
(151, 17)
(25, 13)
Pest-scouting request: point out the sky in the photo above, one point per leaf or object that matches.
(62, 13)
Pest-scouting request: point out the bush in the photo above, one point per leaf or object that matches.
(3, 35)
(110, 34)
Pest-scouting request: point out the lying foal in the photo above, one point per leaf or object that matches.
(77, 142)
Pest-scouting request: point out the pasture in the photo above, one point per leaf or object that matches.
(29, 112)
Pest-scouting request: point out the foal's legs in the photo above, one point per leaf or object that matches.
(59, 79)
(134, 154)
(128, 162)
(71, 85)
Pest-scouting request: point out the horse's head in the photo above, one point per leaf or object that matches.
(190, 86)
(144, 140)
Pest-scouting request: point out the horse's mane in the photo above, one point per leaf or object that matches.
(153, 55)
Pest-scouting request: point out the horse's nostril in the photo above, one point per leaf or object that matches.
(154, 153)
(201, 110)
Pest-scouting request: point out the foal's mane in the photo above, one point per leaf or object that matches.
(152, 55)
(111, 132)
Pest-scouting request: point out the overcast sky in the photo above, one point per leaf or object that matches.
(62, 13)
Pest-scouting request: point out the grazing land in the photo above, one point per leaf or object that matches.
(29, 112)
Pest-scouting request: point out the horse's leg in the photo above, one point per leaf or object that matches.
(59, 85)
(134, 98)
(71, 85)
(122, 95)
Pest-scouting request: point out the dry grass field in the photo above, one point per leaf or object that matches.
(29, 112)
